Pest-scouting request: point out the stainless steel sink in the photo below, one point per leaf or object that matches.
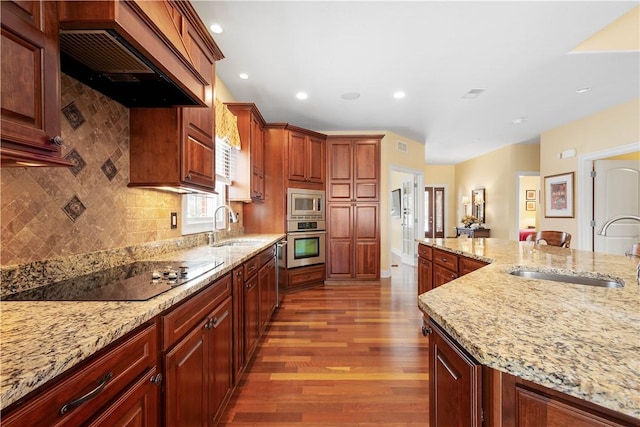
(566, 278)
(239, 242)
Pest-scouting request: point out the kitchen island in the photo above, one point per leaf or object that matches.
(580, 340)
(43, 339)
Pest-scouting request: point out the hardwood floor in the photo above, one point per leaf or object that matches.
(347, 354)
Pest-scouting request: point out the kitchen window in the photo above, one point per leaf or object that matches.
(197, 209)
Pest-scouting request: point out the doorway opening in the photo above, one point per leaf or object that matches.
(405, 223)
(434, 212)
(528, 204)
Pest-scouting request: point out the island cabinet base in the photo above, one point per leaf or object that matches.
(464, 393)
(512, 401)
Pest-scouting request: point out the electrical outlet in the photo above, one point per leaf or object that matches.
(174, 220)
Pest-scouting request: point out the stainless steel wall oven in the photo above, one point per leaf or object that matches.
(306, 227)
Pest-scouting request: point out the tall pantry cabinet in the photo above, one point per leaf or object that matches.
(353, 207)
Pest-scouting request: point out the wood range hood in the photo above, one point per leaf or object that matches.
(135, 52)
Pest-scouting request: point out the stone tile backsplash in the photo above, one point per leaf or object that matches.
(53, 212)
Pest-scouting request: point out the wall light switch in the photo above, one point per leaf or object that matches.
(174, 220)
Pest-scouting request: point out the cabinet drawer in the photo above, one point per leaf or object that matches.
(442, 275)
(467, 265)
(266, 255)
(446, 259)
(251, 267)
(425, 251)
(306, 276)
(183, 318)
(98, 382)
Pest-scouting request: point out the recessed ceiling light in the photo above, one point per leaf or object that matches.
(473, 93)
(518, 120)
(399, 95)
(302, 95)
(583, 90)
(350, 96)
(243, 76)
(215, 28)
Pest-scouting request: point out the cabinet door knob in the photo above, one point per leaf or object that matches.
(57, 140)
(157, 379)
(426, 330)
(188, 177)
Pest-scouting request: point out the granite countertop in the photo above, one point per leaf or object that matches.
(577, 339)
(40, 340)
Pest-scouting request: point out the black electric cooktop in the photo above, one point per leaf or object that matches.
(138, 281)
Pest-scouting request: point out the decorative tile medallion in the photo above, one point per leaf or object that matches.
(74, 208)
(73, 115)
(109, 169)
(77, 160)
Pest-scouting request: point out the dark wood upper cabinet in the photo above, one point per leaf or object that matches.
(353, 168)
(175, 147)
(30, 75)
(306, 159)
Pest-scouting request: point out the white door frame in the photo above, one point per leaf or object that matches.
(516, 231)
(419, 201)
(585, 189)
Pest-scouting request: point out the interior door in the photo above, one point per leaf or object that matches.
(434, 212)
(615, 192)
(408, 222)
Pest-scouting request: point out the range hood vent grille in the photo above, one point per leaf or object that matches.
(101, 52)
(105, 61)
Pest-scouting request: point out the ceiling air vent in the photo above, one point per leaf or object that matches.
(473, 93)
(402, 146)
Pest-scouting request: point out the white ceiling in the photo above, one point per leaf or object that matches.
(435, 52)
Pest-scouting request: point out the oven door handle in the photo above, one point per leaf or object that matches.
(305, 233)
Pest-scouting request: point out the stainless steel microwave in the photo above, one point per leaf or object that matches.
(303, 204)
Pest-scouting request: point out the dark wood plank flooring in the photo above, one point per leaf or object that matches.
(347, 354)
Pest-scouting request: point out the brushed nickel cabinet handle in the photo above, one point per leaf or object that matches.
(449, 368)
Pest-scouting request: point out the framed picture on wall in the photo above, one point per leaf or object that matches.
(531, 195)
(559, 196)
(531, 206)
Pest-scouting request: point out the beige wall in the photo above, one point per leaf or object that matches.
(606, 129)
(496, 173)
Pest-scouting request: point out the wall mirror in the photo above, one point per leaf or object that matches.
(477, 204)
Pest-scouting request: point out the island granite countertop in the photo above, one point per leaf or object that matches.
(41, 339)
(577, 339)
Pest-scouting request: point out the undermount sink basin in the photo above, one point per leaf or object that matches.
(239, 242)
(566, 278)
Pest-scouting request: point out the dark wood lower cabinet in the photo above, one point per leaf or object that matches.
(251, 316)
(221, 361)
(112, 388)
(513, 401)
(464, 393)
(199, 343)
(455, 383)
(198, 358)
(186, 380)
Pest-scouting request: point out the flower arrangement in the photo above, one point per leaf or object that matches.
(469, 220)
